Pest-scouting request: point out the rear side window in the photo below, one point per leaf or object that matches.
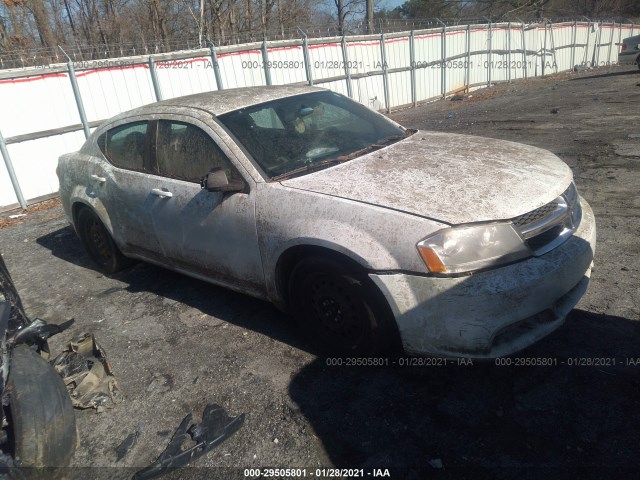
(186, 152)
(124, 146)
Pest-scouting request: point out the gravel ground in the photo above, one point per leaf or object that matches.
(177, 344)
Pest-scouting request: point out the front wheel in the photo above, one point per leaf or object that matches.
(99, 244)
(338, 309)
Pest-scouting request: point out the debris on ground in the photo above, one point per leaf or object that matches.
(127, 445)
(215, 428)
(18, 215)
(38, 332)
(87, 374)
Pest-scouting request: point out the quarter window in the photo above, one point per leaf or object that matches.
(124, 146)
(186, 152)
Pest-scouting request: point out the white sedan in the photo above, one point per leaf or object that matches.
(630, 51)
(372, 235)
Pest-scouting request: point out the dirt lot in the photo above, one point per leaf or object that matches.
(177, 344)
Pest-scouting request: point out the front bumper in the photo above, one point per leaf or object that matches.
(496, 312)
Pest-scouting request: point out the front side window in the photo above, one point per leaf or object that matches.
(186, 152)
(124, 146)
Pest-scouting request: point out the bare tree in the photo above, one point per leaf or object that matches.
(158, 19)
(369, 16)
(41, 17)
(346, 9)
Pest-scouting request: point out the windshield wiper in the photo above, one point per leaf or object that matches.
(344, 158)
(309, 167)
(374, 146)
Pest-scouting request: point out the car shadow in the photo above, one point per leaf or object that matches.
(218, 302)
(603, 75)
(65, 244)
(492, 421)
(455, 420)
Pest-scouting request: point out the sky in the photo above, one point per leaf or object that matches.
(390, 4)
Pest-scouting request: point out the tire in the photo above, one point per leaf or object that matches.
(338, 309)
(43, 423)
(99, 243)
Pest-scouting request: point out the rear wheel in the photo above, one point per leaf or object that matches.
(338, 309)
(99, 244)
(43, 423)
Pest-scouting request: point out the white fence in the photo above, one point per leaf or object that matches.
(47, 111)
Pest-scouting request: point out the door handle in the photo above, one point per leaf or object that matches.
(161, 193)
(98, 178)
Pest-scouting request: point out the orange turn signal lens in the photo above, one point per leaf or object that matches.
(431, 258)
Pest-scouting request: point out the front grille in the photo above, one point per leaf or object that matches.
(535, 215)
(550, 225)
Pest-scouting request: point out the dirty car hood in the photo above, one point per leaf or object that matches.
(447, 177)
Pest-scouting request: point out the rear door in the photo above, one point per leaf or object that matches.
(123, 185)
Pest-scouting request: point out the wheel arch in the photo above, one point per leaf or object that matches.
(96, 207)
(290, 257)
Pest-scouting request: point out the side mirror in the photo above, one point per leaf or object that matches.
(217, 181)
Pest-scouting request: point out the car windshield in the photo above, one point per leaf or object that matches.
(303, 133)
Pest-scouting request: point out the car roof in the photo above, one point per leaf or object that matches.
(223, 101)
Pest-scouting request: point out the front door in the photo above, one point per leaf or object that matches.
(212, 234)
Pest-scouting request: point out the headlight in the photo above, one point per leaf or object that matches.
(472, 247)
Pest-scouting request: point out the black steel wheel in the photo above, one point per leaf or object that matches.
(338, 310)
(99, 244)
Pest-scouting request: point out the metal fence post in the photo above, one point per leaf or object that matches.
(553, 48)
(347, 69)
(443, 62)
(12, 173)
(574, 39)
(78, 97)
(265, 63)
(216, 67)
(611, 44)
(490, 56)
(620, 35)
(307, 62)
(544, 49)
(412, 66)
(154, 79)
(524, 52)
(597, 46)
(586, 51)
(468, 66)
(385, 75)
(509, 56)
